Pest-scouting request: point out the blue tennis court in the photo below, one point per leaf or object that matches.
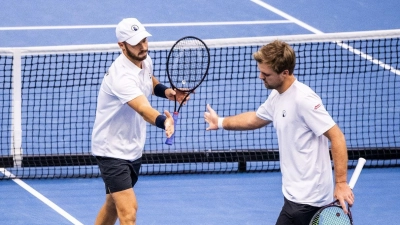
(215, 199)
(237, 198)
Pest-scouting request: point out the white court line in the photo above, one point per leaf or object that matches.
(287, 16)
(369, 58)
(316, 31)
(40, 197)
(147, 25)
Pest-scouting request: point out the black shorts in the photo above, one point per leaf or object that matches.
(296, 214)
(118, 174)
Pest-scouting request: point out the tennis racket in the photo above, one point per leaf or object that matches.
(333, 212)
(187, 66)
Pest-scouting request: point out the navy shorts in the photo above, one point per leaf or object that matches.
(118, 174)
(296, 214)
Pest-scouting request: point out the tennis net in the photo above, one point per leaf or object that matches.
(48, 101)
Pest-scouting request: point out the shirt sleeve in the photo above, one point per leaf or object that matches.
(315, 115)
(125, 87)
(266, 110)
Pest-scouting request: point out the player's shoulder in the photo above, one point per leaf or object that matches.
(303, 91)
(303, 88)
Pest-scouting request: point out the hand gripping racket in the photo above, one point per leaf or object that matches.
(187, 66)
(333, 212)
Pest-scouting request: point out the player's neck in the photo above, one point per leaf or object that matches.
(286, 84)
(137, 63)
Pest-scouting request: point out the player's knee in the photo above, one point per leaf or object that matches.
(127, 216)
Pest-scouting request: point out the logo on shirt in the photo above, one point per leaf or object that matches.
(317, 106)
(283, 113)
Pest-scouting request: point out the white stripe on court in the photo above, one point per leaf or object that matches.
(40, 197)
(316, 31)
(369, 58)
(287, 16)
(147, 25)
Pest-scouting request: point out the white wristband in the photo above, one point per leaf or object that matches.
(220, 120)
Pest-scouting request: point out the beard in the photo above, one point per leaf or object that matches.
(136, 57)
(271, 86)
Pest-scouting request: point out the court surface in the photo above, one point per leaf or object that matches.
(243, 198)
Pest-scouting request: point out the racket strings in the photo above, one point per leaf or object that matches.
(188, 63)
(331, 215)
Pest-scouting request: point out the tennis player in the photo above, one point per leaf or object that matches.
(119, 130)
(303, 129)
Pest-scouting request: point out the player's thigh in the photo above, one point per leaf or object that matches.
(125, 201)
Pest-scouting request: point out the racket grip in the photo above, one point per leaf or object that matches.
(170, 140)
(356, 173)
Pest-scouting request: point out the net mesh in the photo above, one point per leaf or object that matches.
(357, 76)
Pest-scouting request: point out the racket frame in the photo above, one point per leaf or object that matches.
(168, 59)
(332, 204)
(170, 140)
(357, 171)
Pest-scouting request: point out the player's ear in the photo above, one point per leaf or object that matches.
(121, 45)
(285, 73)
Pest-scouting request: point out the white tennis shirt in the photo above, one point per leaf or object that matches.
(300, 119)
(119, 131)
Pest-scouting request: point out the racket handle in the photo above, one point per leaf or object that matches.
(356, 173)
(170, 140)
